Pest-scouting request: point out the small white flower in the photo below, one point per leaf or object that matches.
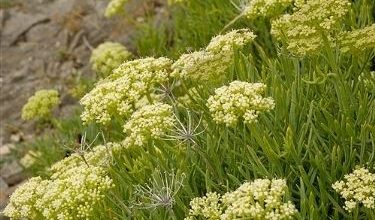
(357, 188)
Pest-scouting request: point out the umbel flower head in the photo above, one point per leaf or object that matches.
(265, 8)
(74, 189)
(71, 196)
(40, 105)
(310, 26)
(357, 188)
(208, 206)
(260, 199)
(100, 155)
(118, 93)
(115, 7)
(22, 203)
(108, 56)
(357, 41)
(200, 65)
(228, 42)
(210, 63)
(239, 99)
(150, 121)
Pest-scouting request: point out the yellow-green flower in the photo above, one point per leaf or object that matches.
(119, 93)
(40, 105)
(150, 121)
(239, 99)
(357, 188)
(76, 187)
(115, 7)
(265, 8)
(259, 199)
(357, 41)
(310, 26)
(107, 57)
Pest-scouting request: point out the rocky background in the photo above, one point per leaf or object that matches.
(46, 44)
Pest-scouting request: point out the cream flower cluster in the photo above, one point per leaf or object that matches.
(228, 42)
(71, 196)
(208, 206)
(108, 56)
(73, 190)
(214, 60)
(115, 7)
(23, 200)
(150, 121)
(118, 93)
(239, 99)
(304, 31)
(99, 156)
(40, 105)
(357, 188)
(74, 194)
(260, 199)
(358, 40)
(265, 8)
(200, 65)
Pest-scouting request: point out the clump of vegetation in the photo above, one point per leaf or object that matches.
(40, 105)
(251, 110)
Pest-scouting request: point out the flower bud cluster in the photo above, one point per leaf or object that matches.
(150, 121)
(265, 8)
(239, 99)
(73, 195)
(40, 105)
(108, 56)
(98, 156)
(208, 206)
(260, 199)
(310, 26)
(228, 42)
(214, 60)
(118, 93)
(358, 41)
(73, 191)
(115, 7)
(357, 188)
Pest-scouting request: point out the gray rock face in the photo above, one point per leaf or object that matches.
(12, 173)
(42, 45)
(18, 24)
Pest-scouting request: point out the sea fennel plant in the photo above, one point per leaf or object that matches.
(278, 126)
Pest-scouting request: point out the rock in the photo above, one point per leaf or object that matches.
(4, 150)
(3, 185)
(20, 74)
(17, 137)
(12, 173)
(2, 19)
(42, 32)
(18, 24)
(60, 8)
